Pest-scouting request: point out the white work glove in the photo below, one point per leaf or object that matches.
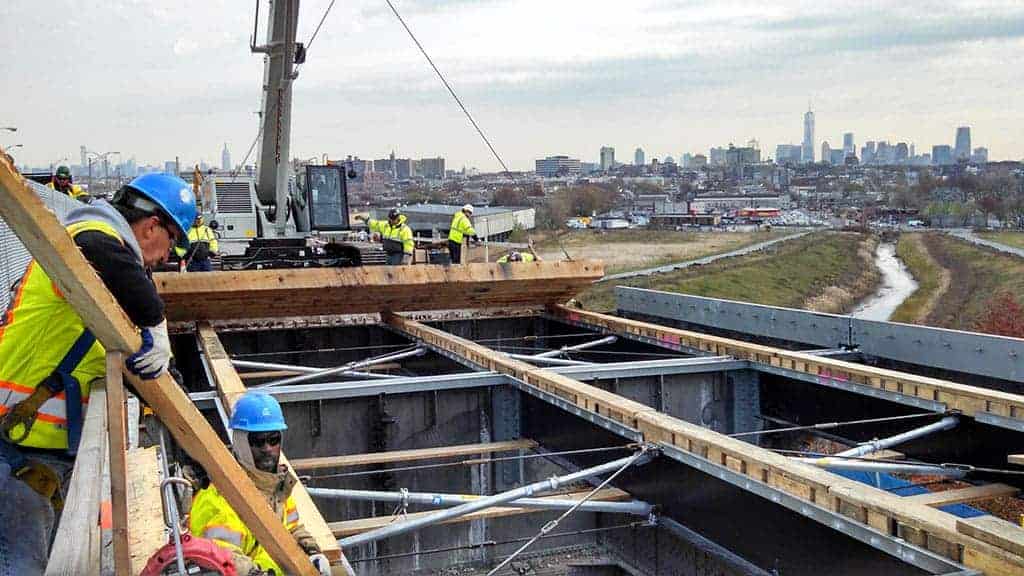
(321, 563)
(155, 354)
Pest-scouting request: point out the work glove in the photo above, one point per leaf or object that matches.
(321, 563)
(152, 358)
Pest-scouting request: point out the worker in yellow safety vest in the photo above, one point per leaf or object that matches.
(257, 430)
(62, 182)
(203, 245)
(396, 236)
(516, 256)
(460, 229)
(49, 358)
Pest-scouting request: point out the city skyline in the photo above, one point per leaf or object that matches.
(700, 78)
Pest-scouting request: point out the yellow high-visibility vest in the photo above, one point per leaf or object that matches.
(39, 329)
(460, 228)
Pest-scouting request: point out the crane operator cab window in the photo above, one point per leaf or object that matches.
(327, 197)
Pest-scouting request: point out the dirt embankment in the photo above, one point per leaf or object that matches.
(933, 280)
(856, 283)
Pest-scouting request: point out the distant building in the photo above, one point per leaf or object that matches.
(826, 152)
(404, 168)
(723, 203)
(867, 152)
(963, 143)
(717, 156)
(742, 156)
(225, 159)
(171, 167)
(902, 153)
(686, 159)
(942, 155)
(980, 156)
(849, 148)
(554, 166)
(838, 157)
(699, 161)
(638, 157)
(808, 144)
(787, 154)
(85, 156)
(589, 167)
(607, 158)
(432, 168)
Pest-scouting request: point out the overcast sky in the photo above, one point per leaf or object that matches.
(155, 79)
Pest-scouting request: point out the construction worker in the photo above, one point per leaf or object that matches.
(202, 246)
(517, 256)
(49, 359)
(460, 228)
(257, 429)
(62, 182)
(396, 236)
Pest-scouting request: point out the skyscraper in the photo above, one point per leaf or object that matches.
(808, 144)
(85, 156)
(638, 157)
(607, 158)
(225, 158)
(826, 152)
(962, 151)
(849, 148)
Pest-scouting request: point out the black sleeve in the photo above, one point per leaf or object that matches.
(125, 277)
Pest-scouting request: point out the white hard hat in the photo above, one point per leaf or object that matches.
(468, 208)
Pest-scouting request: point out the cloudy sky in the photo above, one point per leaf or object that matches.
(156, 78)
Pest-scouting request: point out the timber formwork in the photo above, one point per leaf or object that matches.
(722, 504)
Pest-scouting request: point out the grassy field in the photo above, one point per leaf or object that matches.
(1014, 239)
(932, 279)
(978, 275)
(792, 274)
(625, 250)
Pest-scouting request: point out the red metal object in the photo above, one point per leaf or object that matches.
(198, 552)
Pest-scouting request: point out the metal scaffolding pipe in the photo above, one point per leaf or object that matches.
(633, 507)
(885, 443)
(490, 501)
(576, 347)
(546, 360)
(306, 369)
(884, 467)
(418, 351)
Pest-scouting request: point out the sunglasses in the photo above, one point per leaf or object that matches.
(270, 439)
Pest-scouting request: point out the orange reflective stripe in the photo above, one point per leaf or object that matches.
(224, 533)
(26, 390)
(9, 317)
(42, 417)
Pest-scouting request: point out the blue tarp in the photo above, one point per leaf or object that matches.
(901, 487)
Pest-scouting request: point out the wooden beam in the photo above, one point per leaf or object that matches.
(996, 531)
(369, 289)
(230, 388)
(964, 495)
(1016, 459)
(117, 436)
(350, 527)
(410, 455)
(877, 509)
(48, 241)
(268, 374)
(78, 539)
(146, 532)
(971, 400)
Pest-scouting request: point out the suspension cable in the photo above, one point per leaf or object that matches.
(830, 425)
(547, 528)
(449, 87)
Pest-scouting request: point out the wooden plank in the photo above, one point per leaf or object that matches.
(995, 531)
(410, 455)
(77, 543)
(369, 289)
(268, 374)
(885, 455)
(146, 533)
(1016, 459)
(117, 435)
(971, 400)
(963, 495)
(48, 241)
(350, 527)
(230, 388)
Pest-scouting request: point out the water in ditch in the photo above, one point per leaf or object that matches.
(897, 285)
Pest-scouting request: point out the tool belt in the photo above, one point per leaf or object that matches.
(393, 246)
(42, 479)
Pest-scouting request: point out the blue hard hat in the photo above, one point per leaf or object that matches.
(173, 196)
(257, 412)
